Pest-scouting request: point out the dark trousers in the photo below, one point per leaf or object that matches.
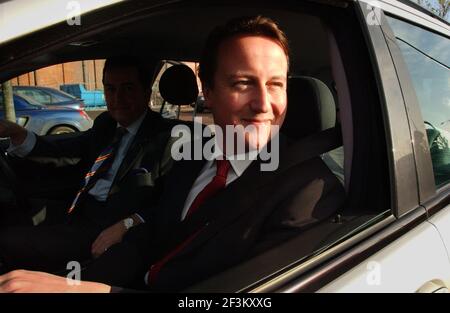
(123, 264)
(51, 247)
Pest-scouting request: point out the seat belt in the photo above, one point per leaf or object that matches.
(311, 146)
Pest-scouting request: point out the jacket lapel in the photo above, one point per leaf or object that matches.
(140, 144)
(187, 173)
(104, 129)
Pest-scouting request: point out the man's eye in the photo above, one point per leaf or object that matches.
(277, 84)
(241, 83)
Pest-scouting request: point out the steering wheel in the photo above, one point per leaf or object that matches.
(12, 179)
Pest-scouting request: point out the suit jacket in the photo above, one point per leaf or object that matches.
(255, 212)
(133, 189)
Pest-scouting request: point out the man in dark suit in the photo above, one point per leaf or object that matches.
(226, 209)
(119, 153)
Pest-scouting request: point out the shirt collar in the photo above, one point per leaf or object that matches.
(134, 127)
(239, 166)
(239, 162)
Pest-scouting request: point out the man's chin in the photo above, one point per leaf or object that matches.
(255, 142)
(122, 119)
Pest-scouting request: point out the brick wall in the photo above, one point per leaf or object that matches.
(86, 72)
(89, 72)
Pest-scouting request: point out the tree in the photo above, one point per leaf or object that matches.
(10, 113)
(439, 7)
(444, 8)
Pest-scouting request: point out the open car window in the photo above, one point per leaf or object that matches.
(313, 101)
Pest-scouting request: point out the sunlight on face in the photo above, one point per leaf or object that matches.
(249, 87)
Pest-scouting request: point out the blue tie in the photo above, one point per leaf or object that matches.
(101, 165)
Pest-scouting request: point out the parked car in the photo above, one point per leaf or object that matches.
(44, 120)
(49, 96)
(91, 98)
(388, 61)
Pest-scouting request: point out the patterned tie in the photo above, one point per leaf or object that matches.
(216, 184)
(101, 165)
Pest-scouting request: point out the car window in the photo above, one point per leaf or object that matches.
(63, 82)
(427, 56)
(29, 100)
(40, 96)
(368, 194)
(62, 96)
(55, 98)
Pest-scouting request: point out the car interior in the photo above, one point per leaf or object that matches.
(334, 110)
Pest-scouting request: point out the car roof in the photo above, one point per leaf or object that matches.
(134, 27)
(37, 17)
(32, 87)
(49, 89)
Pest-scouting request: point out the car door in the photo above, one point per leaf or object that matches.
(423, 56)
(418, 260)
(401, 266)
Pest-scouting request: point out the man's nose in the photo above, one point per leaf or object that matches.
(261, 99)
(118, 96)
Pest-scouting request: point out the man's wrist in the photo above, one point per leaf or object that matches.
(131, 221)
(137, 219)
(128, 223)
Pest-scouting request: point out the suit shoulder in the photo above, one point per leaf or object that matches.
(104, 119)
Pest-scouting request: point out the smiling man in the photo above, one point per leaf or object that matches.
(224, 210)
(248, 87)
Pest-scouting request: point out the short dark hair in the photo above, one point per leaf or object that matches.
(145, 74)
(249, 25)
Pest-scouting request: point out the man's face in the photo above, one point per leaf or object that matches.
(249, 86)
(125, 96)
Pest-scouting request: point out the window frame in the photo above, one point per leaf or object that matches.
(431, 197)
(404, 181)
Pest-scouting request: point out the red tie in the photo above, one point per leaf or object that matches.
(217, 183)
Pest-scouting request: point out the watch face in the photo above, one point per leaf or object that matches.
(128, 223)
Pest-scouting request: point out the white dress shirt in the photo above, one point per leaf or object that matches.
(101, 188)
(207, 174)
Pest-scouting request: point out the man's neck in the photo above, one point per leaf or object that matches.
(134, 126)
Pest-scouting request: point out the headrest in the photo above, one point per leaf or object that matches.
(178, 85)
(311, 107)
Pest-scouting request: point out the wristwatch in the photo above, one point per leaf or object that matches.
(128, 223)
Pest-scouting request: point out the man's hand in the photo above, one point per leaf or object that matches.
(107, 238)
(29, 281)
(16, 132)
